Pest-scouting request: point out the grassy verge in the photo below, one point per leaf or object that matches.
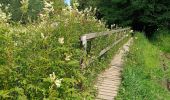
(162, 40)
(143, 73)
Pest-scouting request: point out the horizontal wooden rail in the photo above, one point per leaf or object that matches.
(106, 49)
(94, 35)
(87, 37)
(111, 46)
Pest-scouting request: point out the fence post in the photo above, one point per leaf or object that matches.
(84, 44)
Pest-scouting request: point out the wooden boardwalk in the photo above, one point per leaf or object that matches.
(108, 82)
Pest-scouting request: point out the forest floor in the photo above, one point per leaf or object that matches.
(109, 81)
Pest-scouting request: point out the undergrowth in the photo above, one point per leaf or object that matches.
(41, 60)
(143, 73)
(162, 40)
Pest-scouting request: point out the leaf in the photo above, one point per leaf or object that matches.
(4, 93)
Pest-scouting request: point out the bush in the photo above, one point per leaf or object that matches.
(41, 60)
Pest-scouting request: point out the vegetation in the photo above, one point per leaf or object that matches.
(40, 50)
(142, 15)
(162, 40)
(40, 58)
(143, 74)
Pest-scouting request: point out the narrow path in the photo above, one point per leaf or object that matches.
(108, 82)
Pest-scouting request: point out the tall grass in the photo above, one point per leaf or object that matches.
(162, 40)
(143, 73)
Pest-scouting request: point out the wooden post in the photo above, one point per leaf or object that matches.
(121, 34)
(84, 44)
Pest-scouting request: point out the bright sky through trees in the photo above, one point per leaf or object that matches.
(67, 2)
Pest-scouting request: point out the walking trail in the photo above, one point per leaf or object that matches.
(108, 82)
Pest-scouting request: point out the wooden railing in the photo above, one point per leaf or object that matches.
(87, 37)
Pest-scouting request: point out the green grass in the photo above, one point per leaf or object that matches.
(162, 40)
(143, 74)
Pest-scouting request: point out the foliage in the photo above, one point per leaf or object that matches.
(142, 15)
(162, 40)
(41, 60)
(143, 74)
(27, 10)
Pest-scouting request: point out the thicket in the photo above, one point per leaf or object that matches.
(40, 59)
(28, 10)
(143, 75)
(142, 15)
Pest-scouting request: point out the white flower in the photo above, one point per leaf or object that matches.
(54, 80)
(58, 82)
(67, 58)
(131, 31)
(61, 40)
(55, 24)
(52, 77)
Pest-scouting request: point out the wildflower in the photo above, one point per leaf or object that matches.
(48, 6)
(131, 31)
(24, 7)
(55, 24)
(61, 40)
(4, 16)
(67, 58)
(113, 26)
(52, 77)
(54, 80)
(58, 82)
(42, 35)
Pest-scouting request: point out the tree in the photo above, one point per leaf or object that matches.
(142, 15)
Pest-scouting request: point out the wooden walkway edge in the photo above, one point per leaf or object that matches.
(108, 82)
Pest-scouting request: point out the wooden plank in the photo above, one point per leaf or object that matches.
(94, 35)
(86, 37)
(109, 83)
(104, 97)
(105, 50)
(109, 47)
(114, 79)
(108, 93)
(108, 88)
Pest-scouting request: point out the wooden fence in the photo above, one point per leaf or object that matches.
(87, 37)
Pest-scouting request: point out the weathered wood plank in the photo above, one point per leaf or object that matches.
(105, 97)
(111, 46)
(109, 81)
(105, 50)
(94, 35)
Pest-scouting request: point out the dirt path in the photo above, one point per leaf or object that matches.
(108, 82)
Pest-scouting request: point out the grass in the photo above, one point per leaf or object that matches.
(162, 40)
(143, 74)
